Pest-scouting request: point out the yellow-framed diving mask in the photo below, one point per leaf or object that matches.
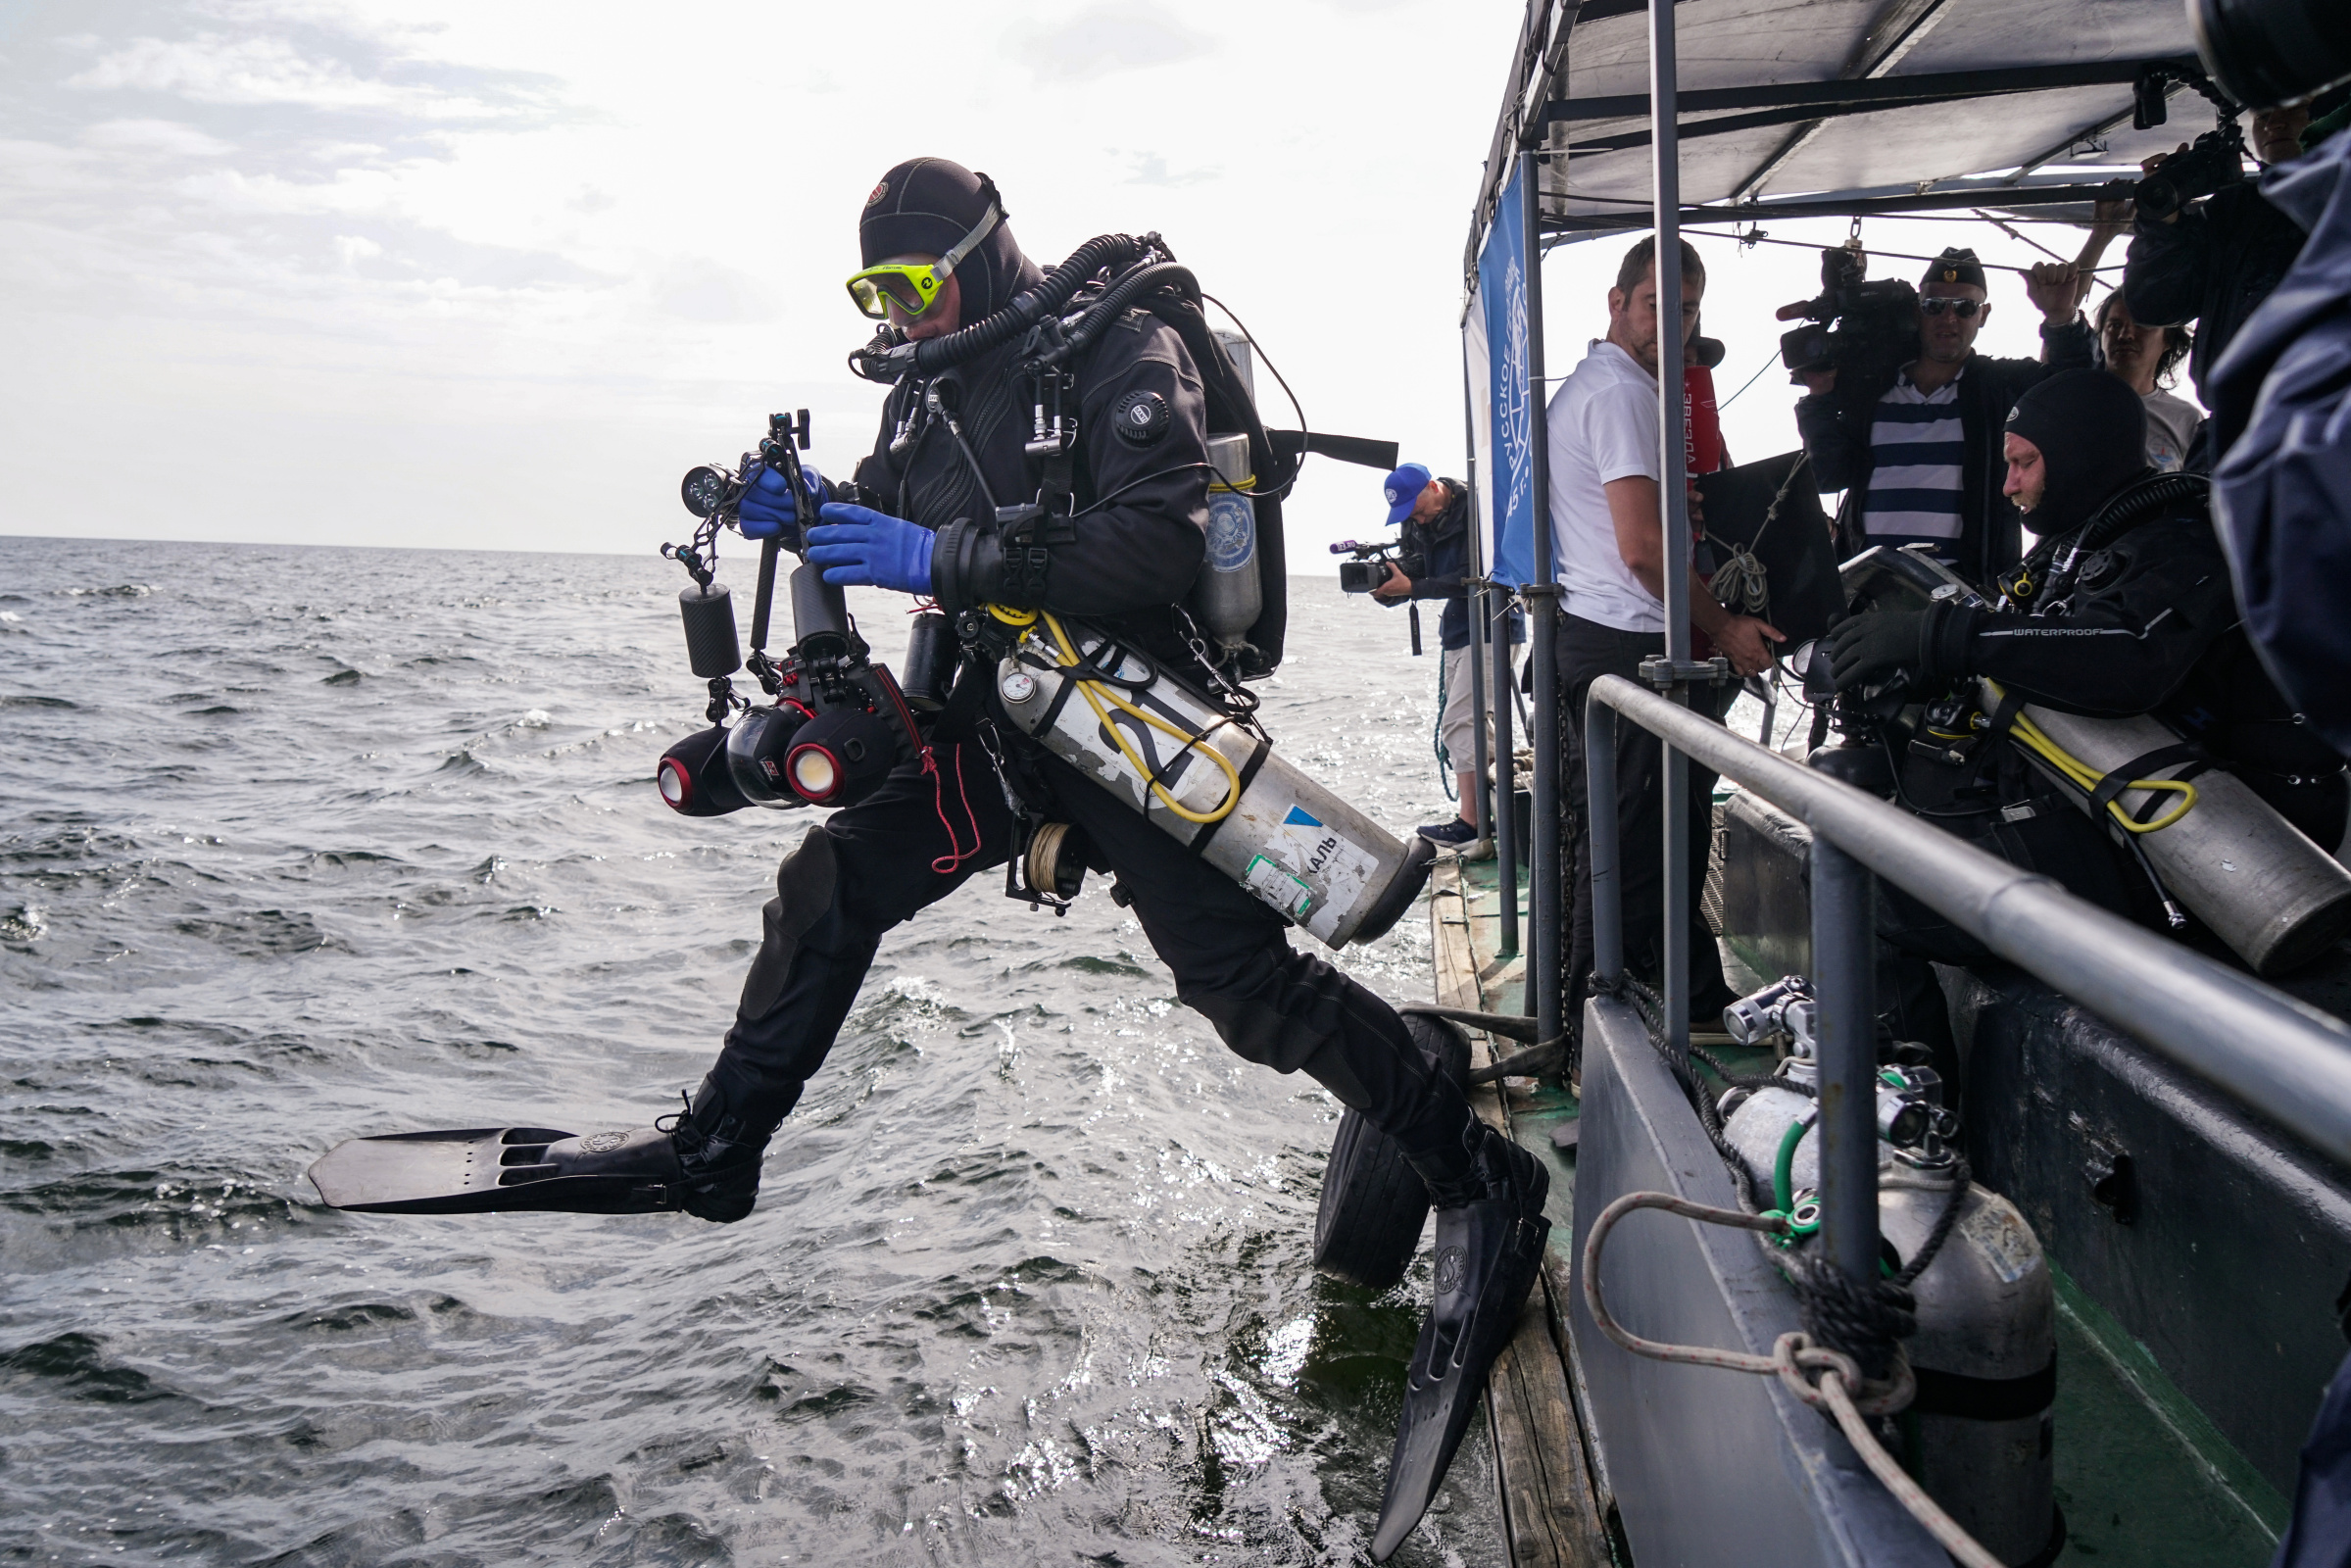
(915, 286)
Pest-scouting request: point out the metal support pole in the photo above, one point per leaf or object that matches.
(1844, 898)
(1599, 813)
(1542, 599)
(1481, 802)
(1673, 506)
(1505, 836)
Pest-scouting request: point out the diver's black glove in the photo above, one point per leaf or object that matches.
(1872, 647)
(1930, 644)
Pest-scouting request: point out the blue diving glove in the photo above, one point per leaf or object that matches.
(858, 547)
(768, 506)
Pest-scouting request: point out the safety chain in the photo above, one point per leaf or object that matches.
(1838, 1379)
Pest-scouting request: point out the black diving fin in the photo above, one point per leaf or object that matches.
(1488, 1253)
(481, 1170)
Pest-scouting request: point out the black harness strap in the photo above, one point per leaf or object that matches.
(2111, 787)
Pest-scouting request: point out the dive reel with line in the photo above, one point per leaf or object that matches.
(836, 722)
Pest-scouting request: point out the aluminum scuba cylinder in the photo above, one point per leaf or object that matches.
(1226, 596)
(1979, 1432)
(1299, 848)
(2275, 898)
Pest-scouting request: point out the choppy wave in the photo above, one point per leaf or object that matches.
(298, 845)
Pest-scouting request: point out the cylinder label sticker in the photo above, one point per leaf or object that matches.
(1278, 888)
(2006, 1242)
(1232, 532)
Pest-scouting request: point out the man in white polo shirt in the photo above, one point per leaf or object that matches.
(1610, 546)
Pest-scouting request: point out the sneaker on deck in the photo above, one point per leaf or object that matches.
(1449, 834)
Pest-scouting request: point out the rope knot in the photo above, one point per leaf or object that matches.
(1794, 1354)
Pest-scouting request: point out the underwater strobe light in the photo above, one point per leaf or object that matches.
(840, 756)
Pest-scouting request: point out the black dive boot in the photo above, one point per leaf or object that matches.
(718, 1157)
(1491, 1234)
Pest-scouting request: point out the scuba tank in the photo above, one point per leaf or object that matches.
(2275, 898)
(1979, 1436)
(2264, 889)
(1227, 597)
(1217, 788)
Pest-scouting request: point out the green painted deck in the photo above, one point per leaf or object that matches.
(2142, 1477)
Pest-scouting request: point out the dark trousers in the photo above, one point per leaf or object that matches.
(882, 861)
(1586, 651)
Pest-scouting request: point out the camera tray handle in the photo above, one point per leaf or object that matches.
(787, 437)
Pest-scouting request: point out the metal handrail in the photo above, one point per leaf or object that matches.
(2284, 1059)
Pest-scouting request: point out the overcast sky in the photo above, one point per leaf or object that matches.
(492, 274)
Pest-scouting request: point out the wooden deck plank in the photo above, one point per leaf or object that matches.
(1549, 1512)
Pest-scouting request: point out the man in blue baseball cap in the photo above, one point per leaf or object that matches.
(1432, 563)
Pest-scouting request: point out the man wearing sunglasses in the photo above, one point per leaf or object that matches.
(1919, 457)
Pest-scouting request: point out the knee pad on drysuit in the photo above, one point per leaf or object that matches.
(804, 885)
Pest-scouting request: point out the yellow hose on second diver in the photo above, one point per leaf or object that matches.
(2086, 778)
(1096, 694)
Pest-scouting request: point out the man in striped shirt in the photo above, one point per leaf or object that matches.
(1920, 459)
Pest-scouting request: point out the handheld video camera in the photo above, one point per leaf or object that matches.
(1369, 567)
(1856, 324)
(838, 723)
(2212, 163)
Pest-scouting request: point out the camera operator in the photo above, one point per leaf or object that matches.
(1606, 519)
(1432, 561)
(2146, 357)
(1918, 452)
(2214, 261)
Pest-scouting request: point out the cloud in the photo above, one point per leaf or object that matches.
(1151, 168)
(1103, 39)
(703, 290)
(251, 71)
(159, 138)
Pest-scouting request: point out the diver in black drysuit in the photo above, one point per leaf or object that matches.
(2143, 621)
(1139, 541)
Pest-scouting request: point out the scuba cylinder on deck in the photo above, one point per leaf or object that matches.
(1213, 785)
(1980, 1435)
(1227, 597)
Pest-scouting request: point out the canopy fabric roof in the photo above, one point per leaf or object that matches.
(1920, 133)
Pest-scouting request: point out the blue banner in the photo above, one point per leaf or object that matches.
(1503, 297)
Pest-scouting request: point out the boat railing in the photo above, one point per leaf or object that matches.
(2284, 1059)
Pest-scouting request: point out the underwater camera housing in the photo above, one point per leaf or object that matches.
(1856, 323)
(1369, 567)
(837, 723)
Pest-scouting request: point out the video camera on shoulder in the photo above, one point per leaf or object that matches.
(1369, 567)
(1857, 325)
(2213, 163)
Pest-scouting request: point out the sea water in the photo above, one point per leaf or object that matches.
(298, 845)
